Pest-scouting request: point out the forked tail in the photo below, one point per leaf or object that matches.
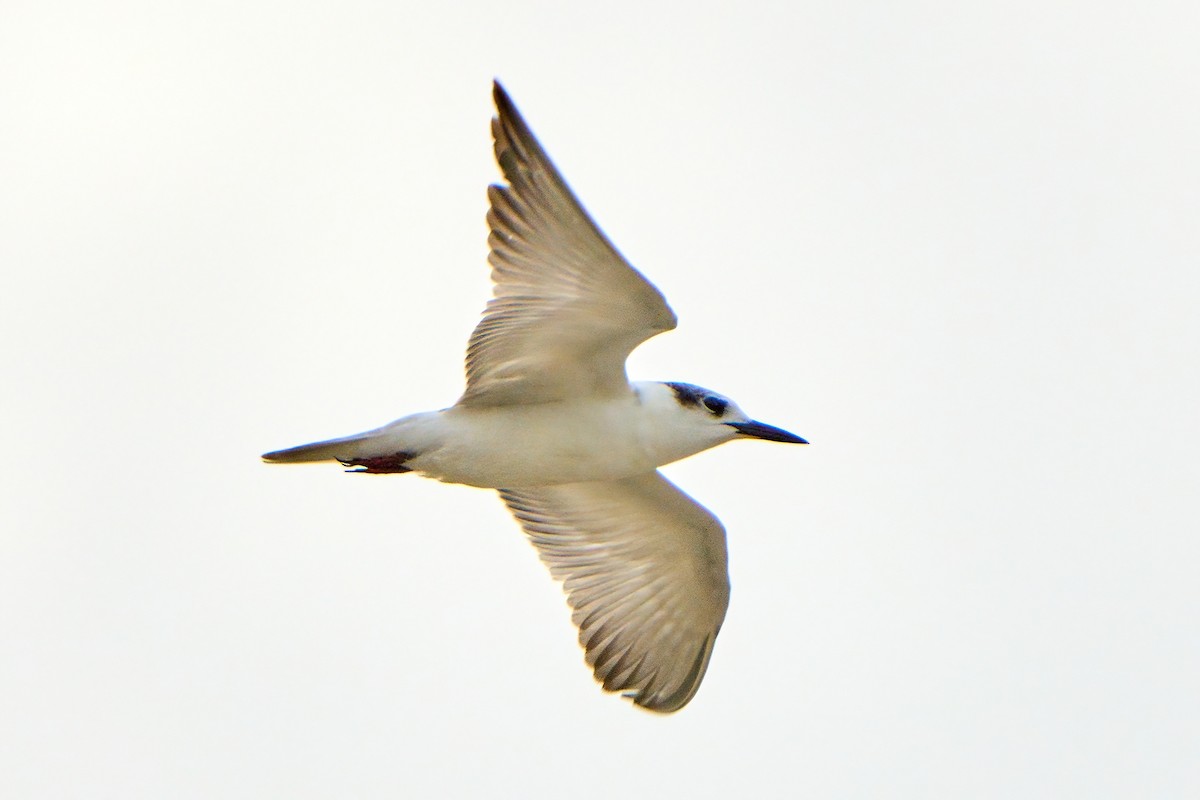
(383, 450)
(351, 451)
(344, 449)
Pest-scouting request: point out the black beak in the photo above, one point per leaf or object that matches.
(760, 430)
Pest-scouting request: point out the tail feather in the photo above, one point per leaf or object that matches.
(346, 448)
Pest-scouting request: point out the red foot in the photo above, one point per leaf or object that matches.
(379, 465)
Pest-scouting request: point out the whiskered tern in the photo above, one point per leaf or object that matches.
(550, 420)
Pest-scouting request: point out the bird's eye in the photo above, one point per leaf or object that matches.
(716, 405)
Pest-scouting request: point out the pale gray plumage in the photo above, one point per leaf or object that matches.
(567, 308)
(550, 420)
(644, 569)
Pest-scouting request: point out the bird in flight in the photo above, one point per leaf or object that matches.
(550, 420)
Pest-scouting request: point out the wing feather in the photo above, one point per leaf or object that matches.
(644, 569)
(567, 309)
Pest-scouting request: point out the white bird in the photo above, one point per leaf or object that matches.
(550, 419)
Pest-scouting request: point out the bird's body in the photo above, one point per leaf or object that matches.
(550, 420)
(519, 446)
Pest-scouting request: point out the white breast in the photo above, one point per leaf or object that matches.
(537, 445)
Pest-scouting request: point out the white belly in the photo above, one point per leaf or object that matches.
(520, 446)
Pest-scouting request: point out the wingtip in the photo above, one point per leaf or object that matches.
(500, 97)
(668, 703)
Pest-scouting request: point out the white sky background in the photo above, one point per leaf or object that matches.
(955, 245)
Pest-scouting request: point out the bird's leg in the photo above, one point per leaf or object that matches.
(378, 465)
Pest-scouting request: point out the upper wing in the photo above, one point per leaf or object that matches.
(644, 569)
(567, 308)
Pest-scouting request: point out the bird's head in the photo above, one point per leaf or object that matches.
(690, 419)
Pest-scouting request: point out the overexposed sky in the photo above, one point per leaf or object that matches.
(954, 245)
